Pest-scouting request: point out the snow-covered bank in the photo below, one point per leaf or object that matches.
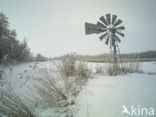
(102, 96)
(20, 75)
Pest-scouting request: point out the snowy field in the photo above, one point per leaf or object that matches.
(102, 96)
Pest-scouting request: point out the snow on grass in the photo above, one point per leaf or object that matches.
(21, 75)
(103, 96)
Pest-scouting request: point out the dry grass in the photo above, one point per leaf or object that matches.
(49, 89)
(71, 67)
(55, 88)
(56, 91)
(105, 60)
(82, 70)
(60, 88)
(2, 75)
(11, 105)
(131, 67)
(68, 65)
(99, 69)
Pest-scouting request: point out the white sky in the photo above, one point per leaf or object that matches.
(56, 27)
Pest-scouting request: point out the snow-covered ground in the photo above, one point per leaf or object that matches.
(103, 96)
(21, 75)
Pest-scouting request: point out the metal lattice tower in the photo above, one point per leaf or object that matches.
(110, 28)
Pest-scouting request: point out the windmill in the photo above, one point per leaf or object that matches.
(110, 28)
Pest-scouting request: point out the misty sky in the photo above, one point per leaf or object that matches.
(56, 27)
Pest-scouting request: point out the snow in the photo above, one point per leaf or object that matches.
(21, 75)
(149, 67)
(102, 96)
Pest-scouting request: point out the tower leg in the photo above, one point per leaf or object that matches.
(115, 60)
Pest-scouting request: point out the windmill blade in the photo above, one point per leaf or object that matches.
(117, 38)
(108, 17)
(90, 28)
(114, 18)
(121, 34)
(103, 20)
(99, 24)
(97, 31)
(103, 36)
(107, 40)
(118, 22)
(121, 28)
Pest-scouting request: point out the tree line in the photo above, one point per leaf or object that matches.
(11, 49)
(140, 55)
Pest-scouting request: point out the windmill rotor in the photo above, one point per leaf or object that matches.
(109, 25)
(111, 29)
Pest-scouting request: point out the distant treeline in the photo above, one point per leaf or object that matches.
(11, 49)
(147, 54)
(141, 55)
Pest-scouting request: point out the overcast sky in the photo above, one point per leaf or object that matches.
(56, 27)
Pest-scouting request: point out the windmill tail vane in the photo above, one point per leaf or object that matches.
(110, 28)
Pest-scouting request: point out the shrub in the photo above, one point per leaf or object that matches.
(122, 68)
(68, 65)
(132, 67)
(60, 88)
(99, 69)
(82, 69)
(55, 90)
(11, 105)
(49, 89)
